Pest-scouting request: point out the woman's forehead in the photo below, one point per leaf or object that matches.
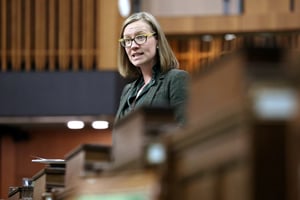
(137, 26)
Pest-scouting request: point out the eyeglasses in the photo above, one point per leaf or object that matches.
(138, 39)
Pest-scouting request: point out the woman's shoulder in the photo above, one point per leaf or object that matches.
(128, 85)
(131, 82)
(175, 72)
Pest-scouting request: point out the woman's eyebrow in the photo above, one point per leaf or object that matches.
(135, 33)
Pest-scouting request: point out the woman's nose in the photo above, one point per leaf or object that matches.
(134, 44)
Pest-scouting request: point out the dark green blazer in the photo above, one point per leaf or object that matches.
(165, 90)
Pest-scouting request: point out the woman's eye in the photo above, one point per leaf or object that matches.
(127, 40)
(139, 37)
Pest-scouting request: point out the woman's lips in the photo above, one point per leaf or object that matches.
(136, 55)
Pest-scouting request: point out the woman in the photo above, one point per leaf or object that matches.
(145, 56)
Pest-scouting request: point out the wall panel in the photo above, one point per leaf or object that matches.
(58, 35)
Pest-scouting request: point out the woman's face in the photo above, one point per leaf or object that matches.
(140, 55)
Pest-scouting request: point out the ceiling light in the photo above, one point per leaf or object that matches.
(75, 124)
(100, 124)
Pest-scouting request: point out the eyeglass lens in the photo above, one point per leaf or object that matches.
(139, 39)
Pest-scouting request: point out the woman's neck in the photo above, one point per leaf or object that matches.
(147, 73)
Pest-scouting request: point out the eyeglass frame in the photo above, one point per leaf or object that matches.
(146, 35)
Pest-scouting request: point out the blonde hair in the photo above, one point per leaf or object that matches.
(166, 57)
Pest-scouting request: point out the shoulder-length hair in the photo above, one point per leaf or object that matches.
(165, 55)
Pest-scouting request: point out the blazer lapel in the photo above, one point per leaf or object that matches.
(152, 90)
(150, 96)
(124, 100)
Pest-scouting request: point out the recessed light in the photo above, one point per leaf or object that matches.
(100, 124)
(75, 124)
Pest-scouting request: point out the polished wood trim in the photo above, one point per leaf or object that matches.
(229, 24)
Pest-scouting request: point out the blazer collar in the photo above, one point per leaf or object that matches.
(158, 78)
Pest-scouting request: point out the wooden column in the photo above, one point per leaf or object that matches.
(40, 34)
(28, 34)
(3, 28)
(15, 34)
(108, 29)
(64, 34)
(88, 38)
(52, 34)
(76, 34)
